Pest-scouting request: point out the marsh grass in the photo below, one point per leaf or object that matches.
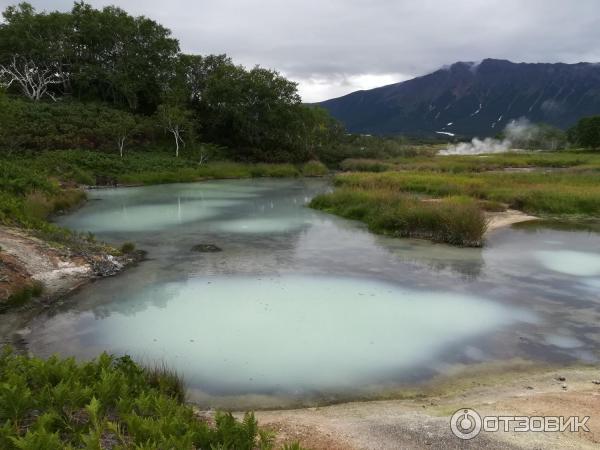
(536, 193)
(571, 160)
(314, 169)
(454, 220)
(366, 165)
(108, 402)
(160, 376)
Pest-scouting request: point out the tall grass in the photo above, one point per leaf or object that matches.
(537, 193)
(453, 220)
(314, 169)
(573, 160)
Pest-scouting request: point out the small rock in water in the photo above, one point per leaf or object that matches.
(561, 378)
(206, 248)
(564, 386)
(596, 381)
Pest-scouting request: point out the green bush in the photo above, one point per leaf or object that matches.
(127, 247)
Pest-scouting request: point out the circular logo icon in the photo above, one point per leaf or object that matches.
(465, 423)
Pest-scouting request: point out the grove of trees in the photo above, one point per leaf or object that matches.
(102, 79)
(586, 133)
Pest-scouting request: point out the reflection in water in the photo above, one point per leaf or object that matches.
(246, 334)
(303, 302)
(570, 262)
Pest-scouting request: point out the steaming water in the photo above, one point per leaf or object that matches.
(301, 306)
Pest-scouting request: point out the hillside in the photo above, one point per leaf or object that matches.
(474, 99)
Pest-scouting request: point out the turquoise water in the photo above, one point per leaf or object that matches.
(302, 307)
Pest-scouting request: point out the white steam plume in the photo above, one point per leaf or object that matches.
(517, 131)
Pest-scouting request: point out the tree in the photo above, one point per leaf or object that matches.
(34, 80)
(175, 120)
(93, 54)
(119, 58)
(118, 126)
(586, 133)
(33, 51)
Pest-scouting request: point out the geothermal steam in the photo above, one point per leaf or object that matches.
(521, 130)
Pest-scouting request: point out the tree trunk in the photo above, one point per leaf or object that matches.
(176, 134)
(121, 145)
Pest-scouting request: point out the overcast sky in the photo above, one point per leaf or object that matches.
(333, 47)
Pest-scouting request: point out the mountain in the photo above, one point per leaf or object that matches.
(470, 99)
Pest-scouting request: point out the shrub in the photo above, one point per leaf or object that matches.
(127, 247)
(22, 296)
(365, 165)
(314, 169)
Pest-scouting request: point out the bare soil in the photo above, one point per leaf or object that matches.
(423, 420)
(25, 259)
(506, 218)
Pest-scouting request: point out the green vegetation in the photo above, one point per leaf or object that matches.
(586, 133)
(37, 185)
(104, 80)
(454, 220)
(535, 192)
(22, 296)
(574, 160)
(108, 403)
(314, 169)
(127, 247)
(443, 198)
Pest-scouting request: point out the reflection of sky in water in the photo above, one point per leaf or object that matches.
(287, 333)
(151, 217)
(570, 262)
(290, 292)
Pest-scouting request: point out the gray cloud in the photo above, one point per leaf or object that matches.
(336, 46)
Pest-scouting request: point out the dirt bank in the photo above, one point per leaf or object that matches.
(25, 259)
(506, 218)
(422, 421)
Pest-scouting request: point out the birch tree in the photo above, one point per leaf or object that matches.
(34, 80)
(174, 120)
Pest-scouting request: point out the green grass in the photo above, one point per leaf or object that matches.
(536, 193)
(109, 402)
(35, 186)
(97, 168)
(453, 220)
(573, 160)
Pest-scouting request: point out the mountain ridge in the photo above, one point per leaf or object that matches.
(468, 98)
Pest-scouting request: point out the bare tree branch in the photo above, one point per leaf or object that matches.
(33, 79)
